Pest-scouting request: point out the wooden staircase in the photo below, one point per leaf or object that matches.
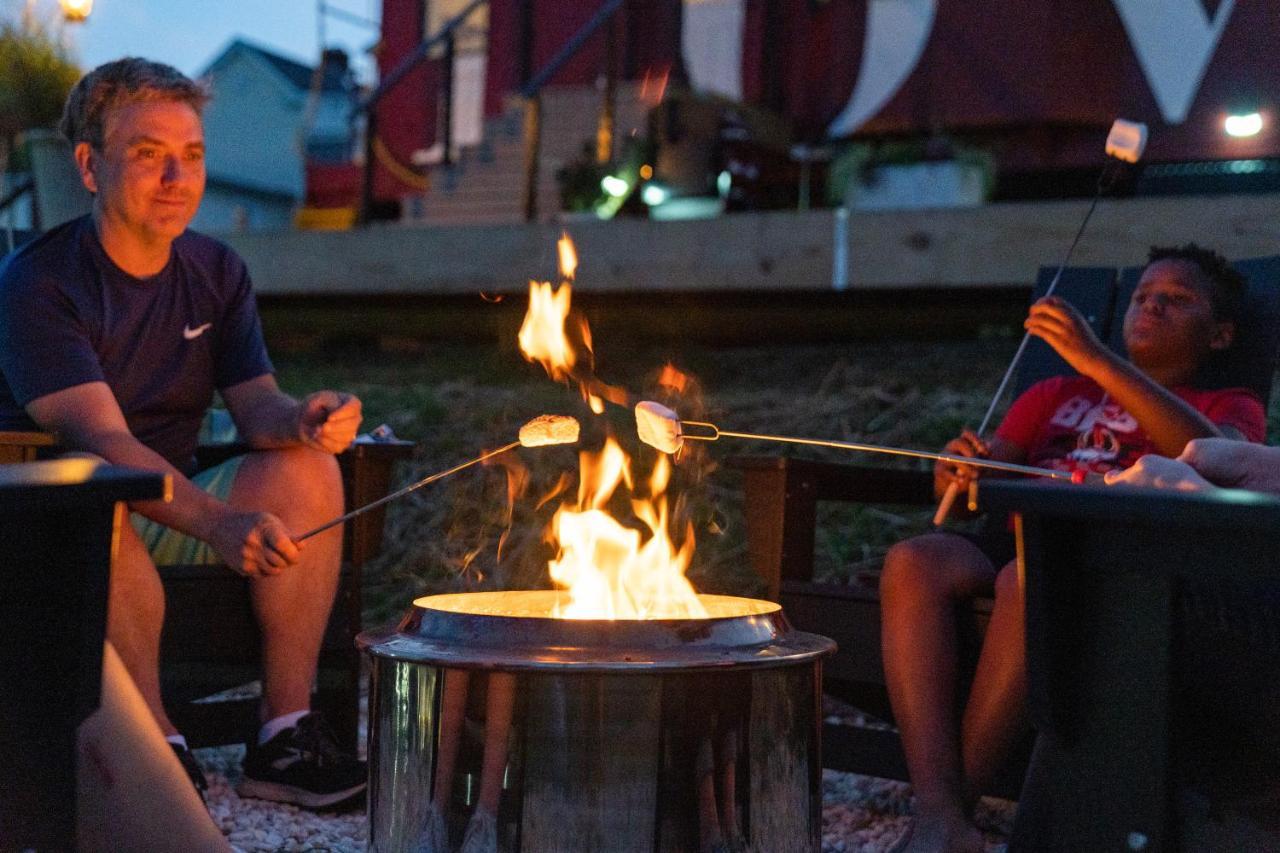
(485, 186)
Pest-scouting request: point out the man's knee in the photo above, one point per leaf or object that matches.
(304, 479)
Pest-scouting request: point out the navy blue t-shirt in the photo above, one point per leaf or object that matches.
(164, 344)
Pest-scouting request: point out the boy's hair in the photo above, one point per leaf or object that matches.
(115, 84)
(1226, 286)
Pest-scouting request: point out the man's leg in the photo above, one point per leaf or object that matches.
(996, 712)
(923, 581)
(135, 615)
(304, 489)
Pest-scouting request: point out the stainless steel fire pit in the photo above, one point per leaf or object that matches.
(593, 735)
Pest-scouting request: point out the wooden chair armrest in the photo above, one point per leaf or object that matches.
(18, 446)
(780, 498)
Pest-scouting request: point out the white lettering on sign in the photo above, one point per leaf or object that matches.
(896, 33)
(1174, 41)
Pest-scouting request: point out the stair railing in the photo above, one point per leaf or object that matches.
(447, 35)
(531, 92)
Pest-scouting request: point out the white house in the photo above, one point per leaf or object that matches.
(268, 115)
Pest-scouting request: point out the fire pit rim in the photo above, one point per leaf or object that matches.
(467, 640)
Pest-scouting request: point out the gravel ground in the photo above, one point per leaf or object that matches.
(859, 813)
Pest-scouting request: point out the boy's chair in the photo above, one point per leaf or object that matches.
(781, 497)
(210, 641)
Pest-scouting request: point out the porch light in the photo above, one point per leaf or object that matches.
(1243, 124)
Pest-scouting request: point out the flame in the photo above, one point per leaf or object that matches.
(568, 257)
(609, 570)
(543, 337)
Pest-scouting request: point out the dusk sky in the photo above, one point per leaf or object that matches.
(188, 34)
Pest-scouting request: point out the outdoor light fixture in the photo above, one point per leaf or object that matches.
(614, 186)
(76, 11)
(654, 194)
(1243, 124)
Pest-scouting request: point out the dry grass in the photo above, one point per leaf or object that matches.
(459, 534)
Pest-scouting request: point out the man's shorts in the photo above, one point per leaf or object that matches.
(168, 547)
(994, 539)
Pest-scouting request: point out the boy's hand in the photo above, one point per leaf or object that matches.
(1056, 322)
(968, 443)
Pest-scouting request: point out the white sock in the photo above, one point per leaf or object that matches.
(271, 728)
(177, 740)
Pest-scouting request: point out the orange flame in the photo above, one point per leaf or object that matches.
(542, 335)
(611, 570)
(610, 573)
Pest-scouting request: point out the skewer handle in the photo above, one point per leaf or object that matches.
(944, 506)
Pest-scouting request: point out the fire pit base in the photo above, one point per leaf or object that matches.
(705, 735)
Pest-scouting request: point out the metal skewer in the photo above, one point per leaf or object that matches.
(702, 431)
(406, 490)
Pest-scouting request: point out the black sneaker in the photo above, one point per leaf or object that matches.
(304, 766)
(194, 773)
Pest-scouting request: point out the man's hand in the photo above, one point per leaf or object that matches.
(1159, 472)
(328, 420)
(1235, 464)
(1056, 322)
(967, 444)
(254, 544)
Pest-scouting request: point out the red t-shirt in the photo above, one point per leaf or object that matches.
(1069, 422)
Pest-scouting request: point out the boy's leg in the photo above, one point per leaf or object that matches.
(996, 712)
(923, 581)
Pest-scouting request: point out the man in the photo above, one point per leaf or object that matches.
(1114, 412)
(116, 329)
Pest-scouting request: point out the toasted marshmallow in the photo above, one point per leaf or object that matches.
(549, 429)
(658, 426)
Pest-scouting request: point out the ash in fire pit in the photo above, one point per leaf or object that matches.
(627, 735)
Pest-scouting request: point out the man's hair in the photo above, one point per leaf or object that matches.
(115, 84)
(1226, 286)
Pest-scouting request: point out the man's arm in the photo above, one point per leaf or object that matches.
(87, 418)
(268, 418)
(1168, 420)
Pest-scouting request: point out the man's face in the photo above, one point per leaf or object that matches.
(149, 175)
(1170, 318)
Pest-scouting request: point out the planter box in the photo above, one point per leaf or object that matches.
(921, 185)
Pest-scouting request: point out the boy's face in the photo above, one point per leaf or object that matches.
(1170, 319)
(149, 175)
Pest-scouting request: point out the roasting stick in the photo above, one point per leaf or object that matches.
(661, 428)
(1125, 144)
(539, 432)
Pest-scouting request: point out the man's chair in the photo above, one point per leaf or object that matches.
(210, 641)
(781, 497)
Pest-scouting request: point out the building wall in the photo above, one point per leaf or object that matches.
(251, 126)
(226, 209)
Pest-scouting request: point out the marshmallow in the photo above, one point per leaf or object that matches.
(658, 426)
(549, 429)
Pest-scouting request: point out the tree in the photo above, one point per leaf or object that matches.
(36, 73)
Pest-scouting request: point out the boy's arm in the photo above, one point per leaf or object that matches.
(1169, 421)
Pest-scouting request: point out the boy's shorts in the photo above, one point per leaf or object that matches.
(168, 547)
(995, 540)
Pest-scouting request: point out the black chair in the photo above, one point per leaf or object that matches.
(1153, 660)
(57, 523)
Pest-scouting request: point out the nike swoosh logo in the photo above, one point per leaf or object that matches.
(191, 334)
